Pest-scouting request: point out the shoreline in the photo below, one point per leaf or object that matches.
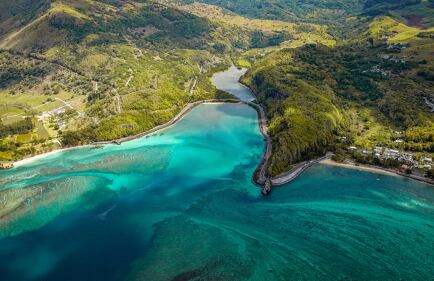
(360, 167)
(377, 170)
(296, 171)
(260, 176)
(292, 174)
(261, 122)
(31, 159)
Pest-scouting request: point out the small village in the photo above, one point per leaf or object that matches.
(408, 161)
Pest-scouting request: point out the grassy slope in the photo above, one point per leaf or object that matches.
(73, 45)
(15, 14)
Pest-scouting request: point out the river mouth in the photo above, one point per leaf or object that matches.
(180, 205)
(228, 81)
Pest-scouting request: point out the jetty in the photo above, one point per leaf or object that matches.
(296, 171)
(261, 174)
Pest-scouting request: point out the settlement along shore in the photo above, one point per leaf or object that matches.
(377, 169)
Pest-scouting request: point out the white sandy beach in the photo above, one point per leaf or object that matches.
(358, 167)
(43, 155)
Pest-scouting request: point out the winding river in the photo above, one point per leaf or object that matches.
(180, 205)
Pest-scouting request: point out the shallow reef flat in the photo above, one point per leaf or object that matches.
(181, 205)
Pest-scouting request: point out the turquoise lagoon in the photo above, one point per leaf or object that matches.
(180, 205)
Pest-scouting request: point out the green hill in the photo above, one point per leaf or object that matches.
(292, 10)
(359, 93)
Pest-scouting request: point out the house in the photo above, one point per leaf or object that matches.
(391, 154)
(352, 148)
(405, 169)
(365, 152)
(399, 141)
(378, 151)
(427, 167)
(427, 160)
(408, 158)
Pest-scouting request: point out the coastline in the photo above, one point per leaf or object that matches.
(261, 120)
(31, 159)
(366, 168)
(260, 177)
(377, 170)
(296, 171)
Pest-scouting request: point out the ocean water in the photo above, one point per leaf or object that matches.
(180, 205)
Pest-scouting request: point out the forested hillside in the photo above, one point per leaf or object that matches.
(341, 16)
(302, 116)
(359, 92)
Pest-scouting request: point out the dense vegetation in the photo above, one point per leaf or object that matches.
(303, 117)
(293, 10)
(360, 91)
(338, 15)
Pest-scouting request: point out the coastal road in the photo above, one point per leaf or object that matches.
(292, 174)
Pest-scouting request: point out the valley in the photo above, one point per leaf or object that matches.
(91, 71)
(122, 68)
(139, 137)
